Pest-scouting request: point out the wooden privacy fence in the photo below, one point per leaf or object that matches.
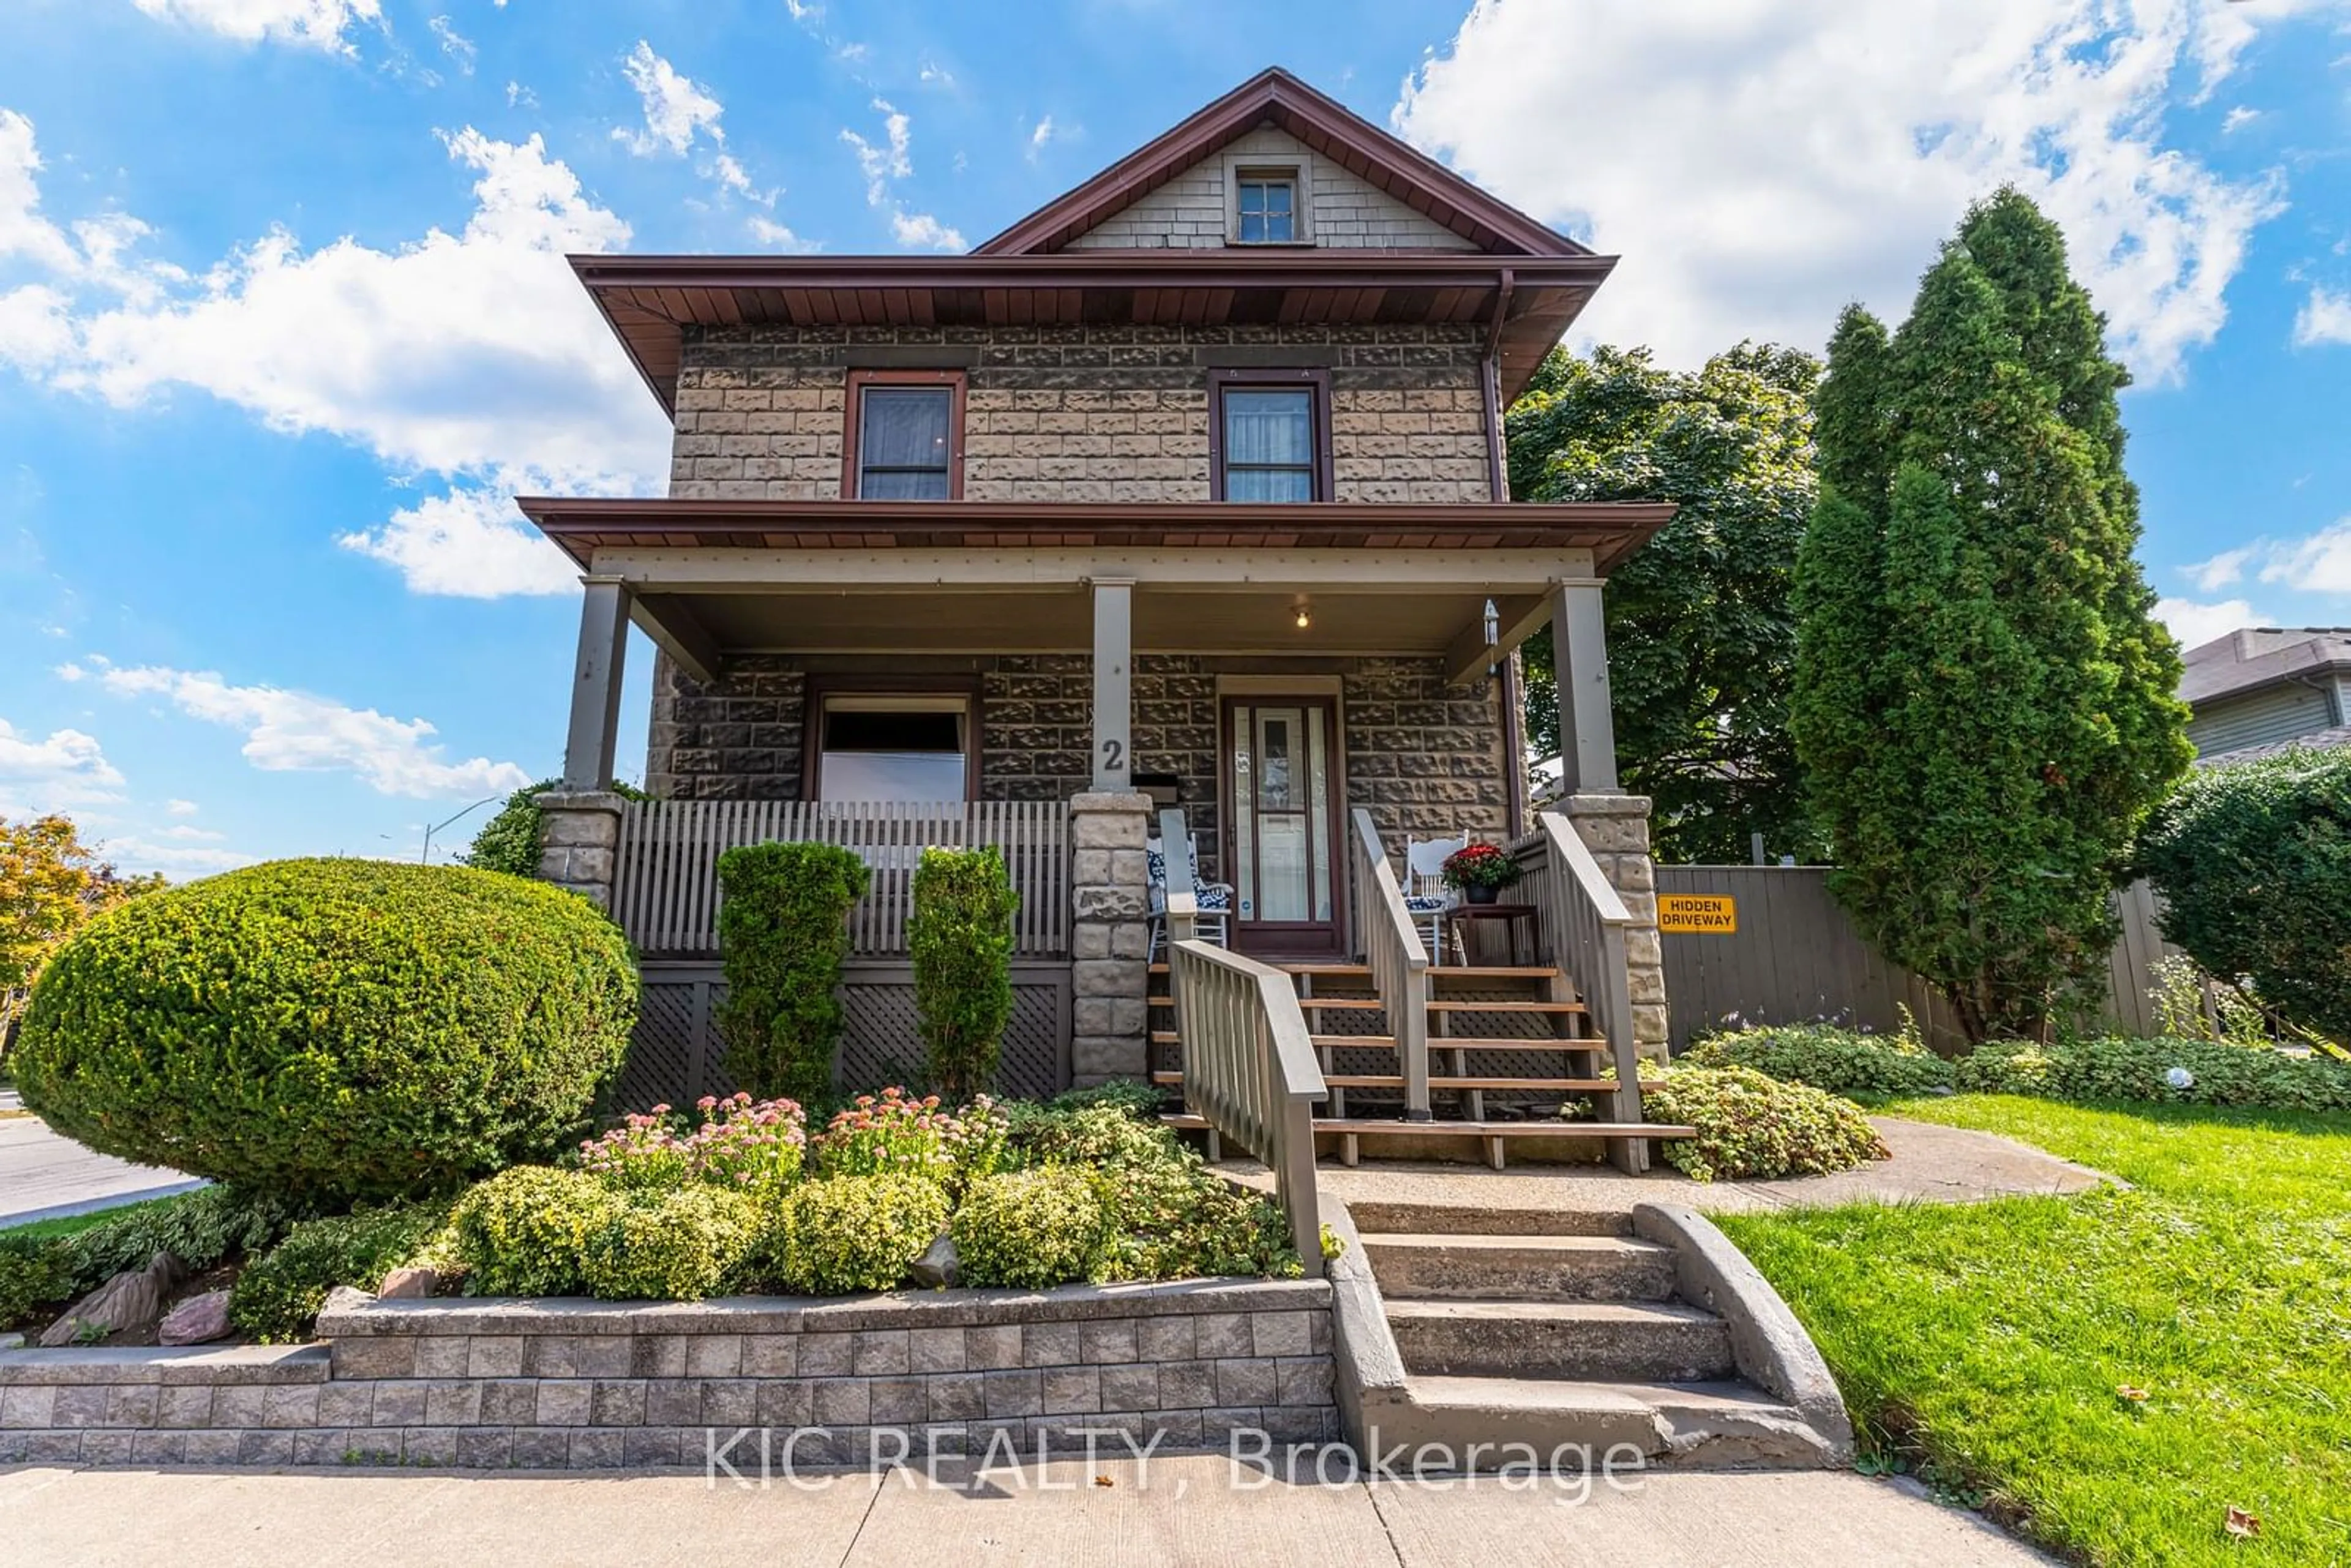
(665, 875)
(1792, 957)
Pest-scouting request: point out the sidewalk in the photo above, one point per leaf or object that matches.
(1172, 1510)
(44, 1175)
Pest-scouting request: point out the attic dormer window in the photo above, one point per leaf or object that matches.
(1269, 209)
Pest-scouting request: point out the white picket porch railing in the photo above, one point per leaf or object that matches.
(666, 875)
(1583, 925)
(1395, 954)
(1250, 1072)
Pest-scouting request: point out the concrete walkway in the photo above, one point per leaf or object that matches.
(46, 1176)
(1172, 1510)
(1931, 1164)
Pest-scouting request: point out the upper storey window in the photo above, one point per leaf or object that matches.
(1268, 209)
(904, 441)
(1270, 435)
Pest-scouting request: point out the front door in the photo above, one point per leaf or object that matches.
(1282, 776)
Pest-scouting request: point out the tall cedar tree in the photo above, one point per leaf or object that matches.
(1982, 707)
(1701, 637)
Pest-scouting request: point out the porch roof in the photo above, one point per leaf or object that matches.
(1610, 530)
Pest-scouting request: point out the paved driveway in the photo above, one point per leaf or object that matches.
(44, 1175)
(1175, 1511)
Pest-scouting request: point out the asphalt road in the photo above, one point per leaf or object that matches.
(46, 1176)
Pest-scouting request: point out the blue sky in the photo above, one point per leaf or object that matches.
(282, 318)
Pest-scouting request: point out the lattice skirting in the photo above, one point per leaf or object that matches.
(677, 1055)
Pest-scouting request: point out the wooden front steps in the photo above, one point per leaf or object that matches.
(1351, 1131)
(1175, 1080)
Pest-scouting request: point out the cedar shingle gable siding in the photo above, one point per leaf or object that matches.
(1080, 413)
(1189, 212)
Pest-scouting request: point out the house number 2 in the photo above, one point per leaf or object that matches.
(1113, 757)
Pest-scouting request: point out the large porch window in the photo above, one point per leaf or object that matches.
(910, 748)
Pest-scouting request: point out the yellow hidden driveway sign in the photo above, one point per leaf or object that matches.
(1697, 913)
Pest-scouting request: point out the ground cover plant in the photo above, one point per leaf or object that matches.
(2121, 1375)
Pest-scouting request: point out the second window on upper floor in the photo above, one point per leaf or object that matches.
(904, 440)
(1269, 435)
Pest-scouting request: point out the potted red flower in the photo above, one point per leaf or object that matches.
(1480, 872)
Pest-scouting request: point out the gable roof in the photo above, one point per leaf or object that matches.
(1328, 128)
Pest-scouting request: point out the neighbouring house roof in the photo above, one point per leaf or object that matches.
(1326, 127)
(1523, 285)
(2316, 740)
(1610, 529)
(2252, 657)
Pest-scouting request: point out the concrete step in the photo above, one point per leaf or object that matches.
(1691, 1425)
(1425, 1266)
(1608, 1342)
(1372, 1216)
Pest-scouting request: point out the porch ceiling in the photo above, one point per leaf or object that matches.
(1060, 620)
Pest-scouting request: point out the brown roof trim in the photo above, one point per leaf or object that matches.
(1327, 127)
(1610, 529)
(1096, 270)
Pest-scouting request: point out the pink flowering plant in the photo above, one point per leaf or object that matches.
(750, 1145)
(894, 1133)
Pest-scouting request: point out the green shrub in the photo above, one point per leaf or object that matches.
(36, 1272)
(525, 1231)
(783, 936)
(202, 1230)
(2116, 1067)
(892, 1133)
(959, 939)
(331, 1031)
(1106, 1133)
(508, 842)
(1753, 1127)
(1841, 1061)
(1029, 1228)
(677, 1245)
(857, 1233)
(2253, 860)
(277, 1295)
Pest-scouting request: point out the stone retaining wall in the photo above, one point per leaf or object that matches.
(547, 1384)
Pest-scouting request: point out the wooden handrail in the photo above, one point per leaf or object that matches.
(1584, 924)
(1395, 955)
(1250, 1072)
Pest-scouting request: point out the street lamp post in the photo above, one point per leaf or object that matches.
(424, 855)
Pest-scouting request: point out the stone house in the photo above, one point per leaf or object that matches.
(1185, 493)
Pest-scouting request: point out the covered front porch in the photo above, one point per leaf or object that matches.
(1310, 688)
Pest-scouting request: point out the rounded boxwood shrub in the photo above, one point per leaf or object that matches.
(858, 1232)
(1754, 1127)
(1029, 1228)
(332, 1031)
(677, 1245)
(2253, 862)
(525, 1231)
(277, 1296)
(2187, 1071)
(1841, 1061)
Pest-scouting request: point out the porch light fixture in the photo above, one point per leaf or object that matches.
(1303, 616)
(1493, 636)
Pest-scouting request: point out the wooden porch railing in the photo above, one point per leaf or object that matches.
(1250, 1072)
(1396, 955)
(1583, 924)
(666, 875)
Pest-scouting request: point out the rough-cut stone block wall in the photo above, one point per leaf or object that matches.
(1081, 414)
(587, 1385)
(1188, 211)
(1427, 759)
(1616, 828)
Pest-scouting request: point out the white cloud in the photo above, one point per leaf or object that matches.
(1041, 136)
(1759, 165)
(2325, 318)
(2222, 570)
(472, 355)
(133, 854)
(675, 107)
(883, 167)
(2238, 119)
(454, 44)
(2320, 563)
(779, 236)
(317, 23)
(470, 544)
(936, 76)
(295, 732)
(180, 808)
(183, 831)
(520, 97)
(2195, 624)
(67, 769)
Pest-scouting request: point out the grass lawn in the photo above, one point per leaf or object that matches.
(73, 1223)
(1988, 1347)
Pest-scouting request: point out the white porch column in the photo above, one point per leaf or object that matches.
(1587, 728)
(1113, 684)
(596, 685)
